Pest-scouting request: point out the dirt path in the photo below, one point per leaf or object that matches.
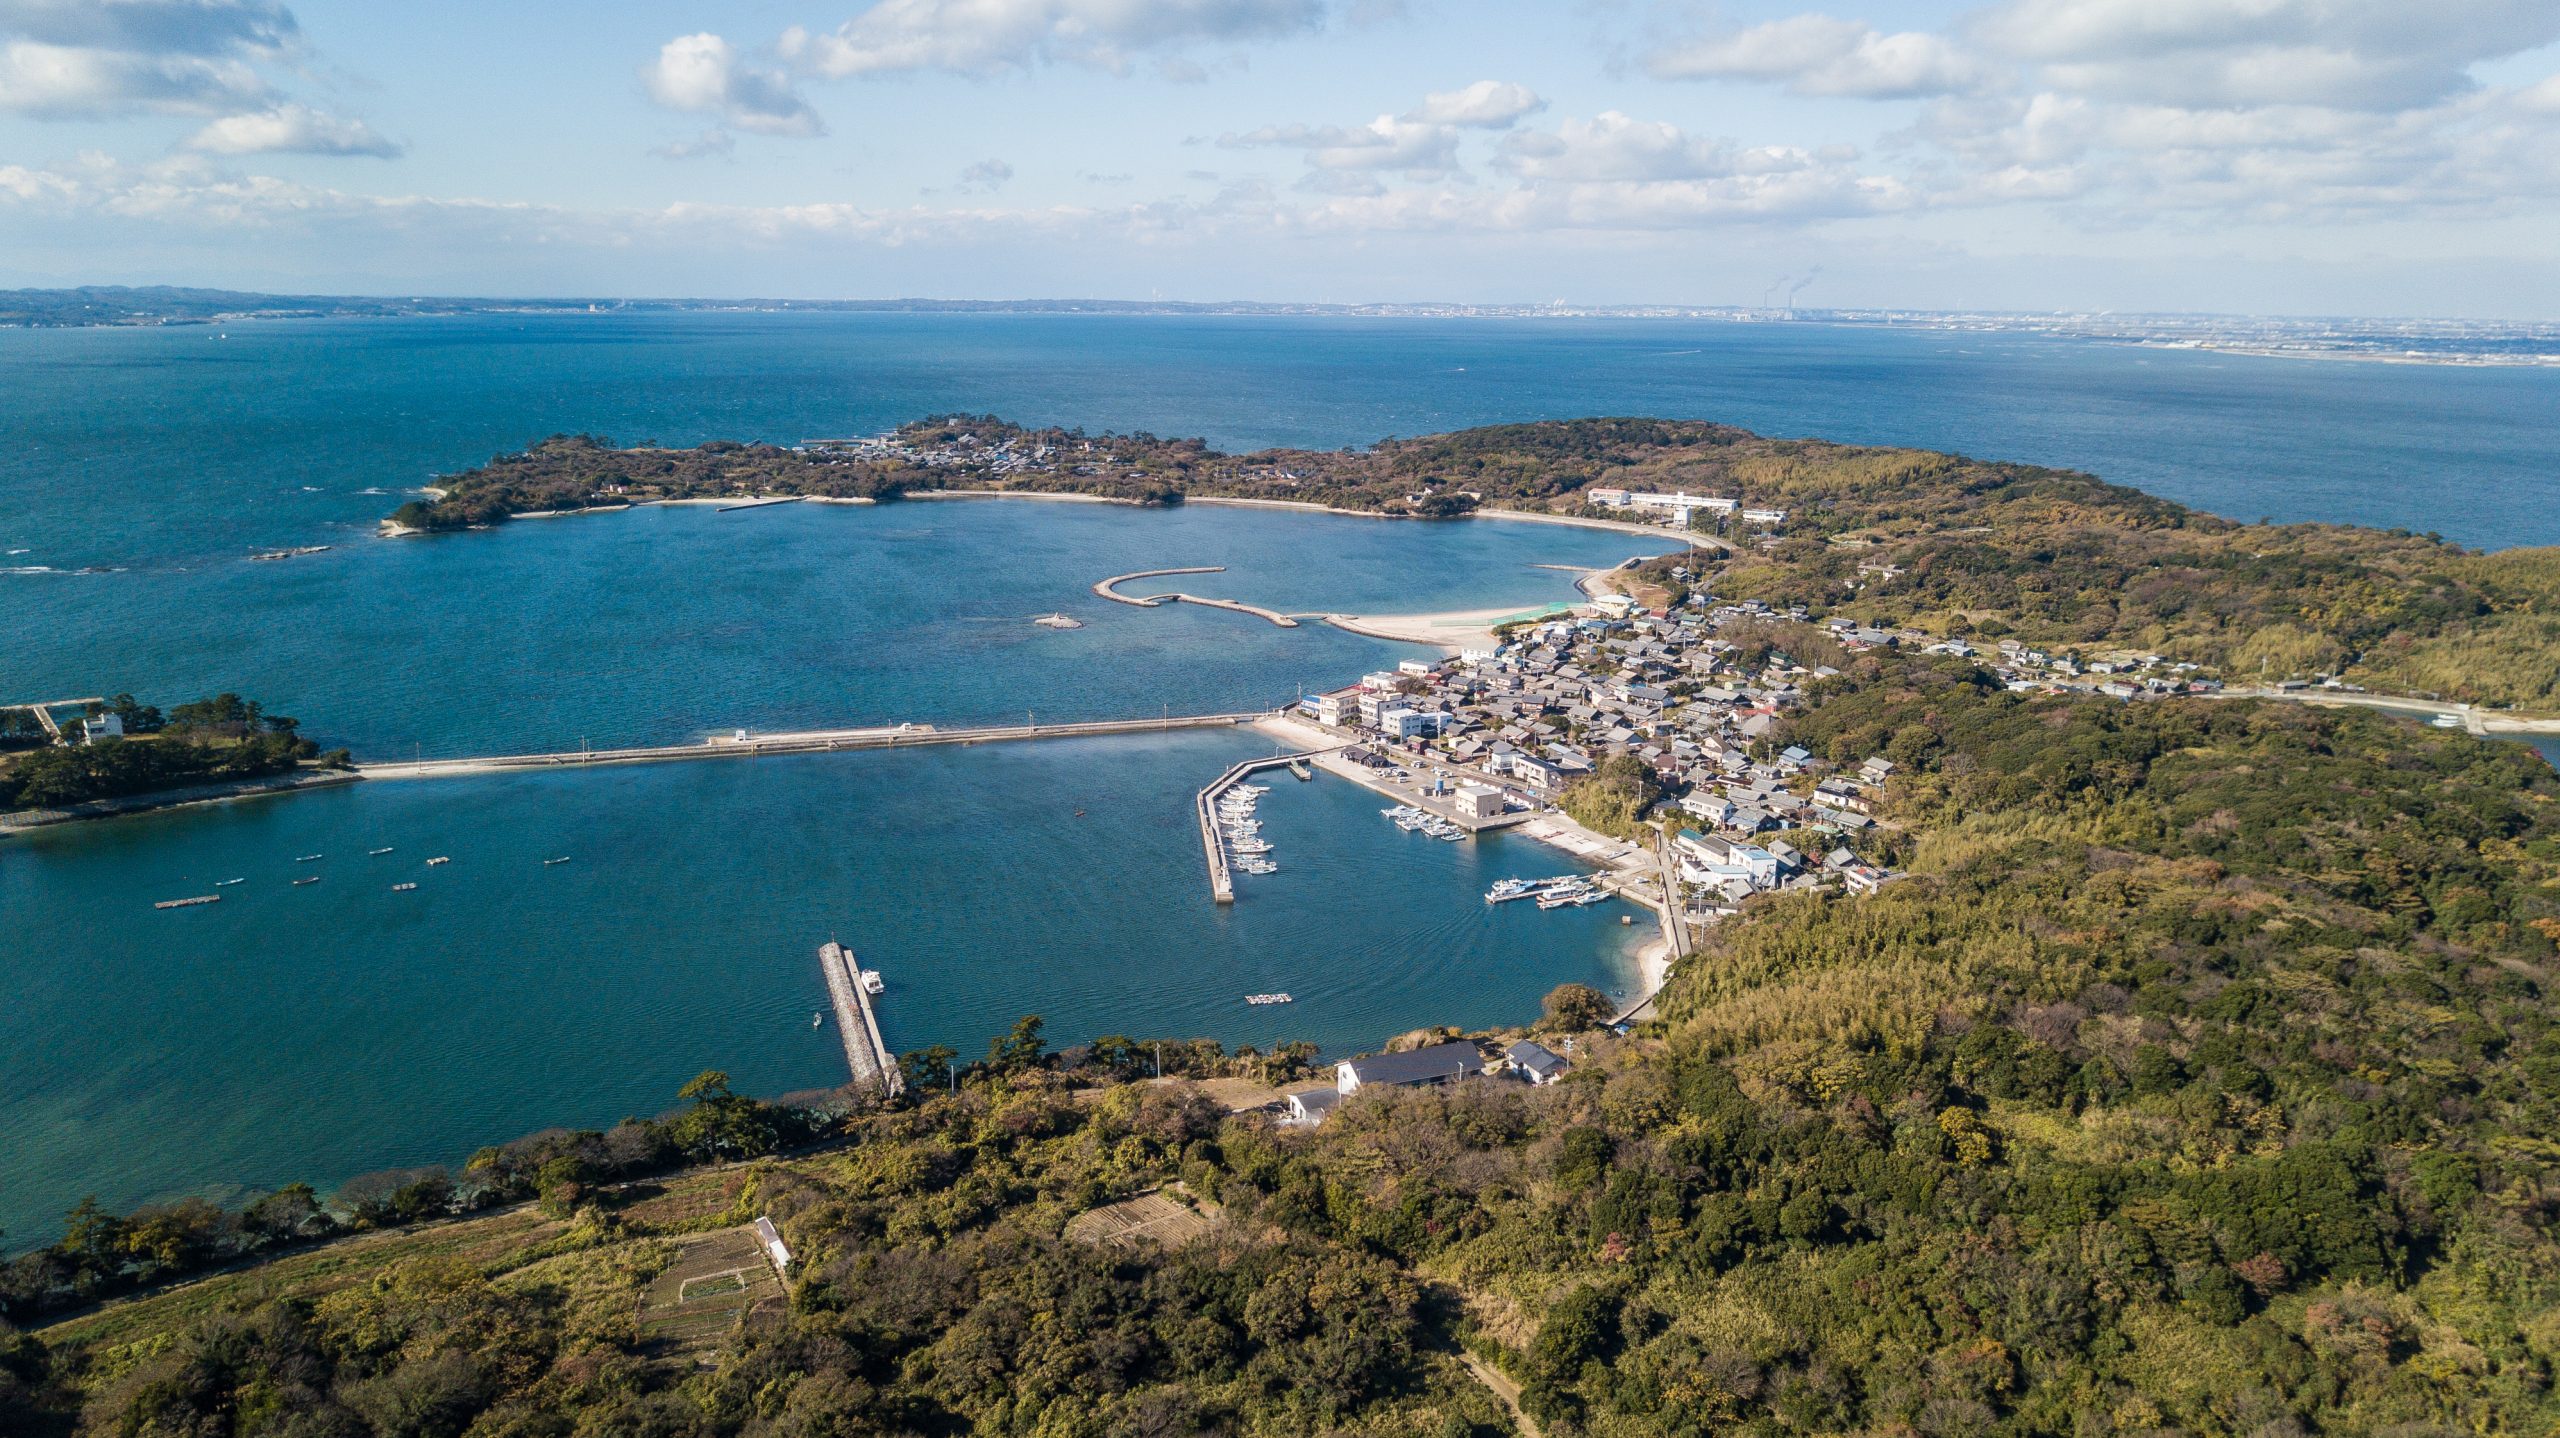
(1503, 1388)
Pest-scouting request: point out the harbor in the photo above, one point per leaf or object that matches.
(1230, 837)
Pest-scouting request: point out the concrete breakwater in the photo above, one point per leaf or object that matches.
(1109, 589)
(820, 741)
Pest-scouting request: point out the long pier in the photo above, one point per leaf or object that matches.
(819, 741)
(1110, 589)
(865, 1052)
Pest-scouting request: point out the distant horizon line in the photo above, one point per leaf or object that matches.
(200, 295)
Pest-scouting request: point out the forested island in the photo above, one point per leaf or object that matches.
(1935, 542)
(215, 740)
(2201, 1077)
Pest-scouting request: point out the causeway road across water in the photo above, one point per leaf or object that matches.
(816, 741)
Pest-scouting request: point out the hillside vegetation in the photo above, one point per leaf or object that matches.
(2202, 1079)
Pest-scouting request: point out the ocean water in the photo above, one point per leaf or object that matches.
(315, 1032)
(324, 1030)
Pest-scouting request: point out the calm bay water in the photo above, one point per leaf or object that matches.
(319, 1031)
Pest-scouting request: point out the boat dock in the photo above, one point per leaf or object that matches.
(1110, 589)
(1204, 808)
(875, 1069)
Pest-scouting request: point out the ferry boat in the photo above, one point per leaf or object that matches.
(439, 859)
(402, 888)
(1269, 999)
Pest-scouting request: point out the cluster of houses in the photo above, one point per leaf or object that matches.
(1527, 1062)
(1516, 725)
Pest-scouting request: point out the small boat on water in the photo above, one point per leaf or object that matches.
(309, 858)
(298, 883)
(1250, 846)
(378, 853)
(872, 983)
(188, 903)
(439, 859)
(817, 1021)
(1269, 999)
(2447, 721)
(547, 863)
(402, 888)
(227, 883)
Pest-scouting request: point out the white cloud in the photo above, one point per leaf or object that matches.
(703, 74)
(1486, 104)
(63, 60)
(2349, 54)
(983, 37)
(986, 175)
(293, 129)
(1386, 143)
(1819, 55)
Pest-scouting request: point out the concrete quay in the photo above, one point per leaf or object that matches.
(866, 1054)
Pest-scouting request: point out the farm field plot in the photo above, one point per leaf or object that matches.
(716, 1280)
(1167, 1217)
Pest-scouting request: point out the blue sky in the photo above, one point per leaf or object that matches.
(2267, 156)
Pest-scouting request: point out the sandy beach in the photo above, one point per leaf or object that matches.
(1450, 632)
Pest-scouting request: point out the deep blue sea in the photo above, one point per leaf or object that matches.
(314, 1032)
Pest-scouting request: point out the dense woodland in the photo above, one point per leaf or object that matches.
(1954, 545)
(2202, 1079)
(208, 741)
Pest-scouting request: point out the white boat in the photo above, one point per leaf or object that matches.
(439, 859)
(1269, 999)
(378, 853)
(227, 883)
(402, 888)
(298, 883)
(1250, 846)
(308, 858)
(547, 863)
(2448, 721)
(817, 1020)
(872, 983)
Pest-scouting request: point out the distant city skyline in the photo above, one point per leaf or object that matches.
(2341, 157)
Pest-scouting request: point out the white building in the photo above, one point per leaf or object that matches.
(1479, 801)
